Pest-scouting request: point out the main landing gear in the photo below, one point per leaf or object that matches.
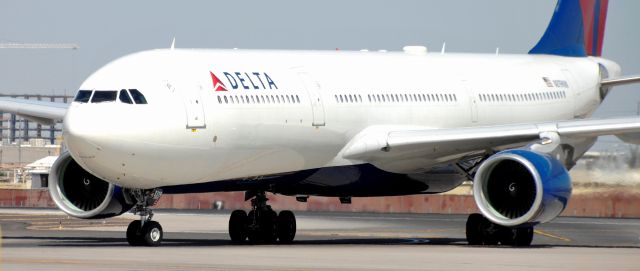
(481, 231)
(145, 232)
(262, 224)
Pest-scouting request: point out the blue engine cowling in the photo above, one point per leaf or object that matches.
(81, 194)
(521, 187)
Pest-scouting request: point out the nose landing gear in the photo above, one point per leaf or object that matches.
(145, 232)
(262, 224)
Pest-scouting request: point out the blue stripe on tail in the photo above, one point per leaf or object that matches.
(565, 34)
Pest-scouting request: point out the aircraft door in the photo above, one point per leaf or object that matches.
(473, 102)
(574, 93)
(313, 89)
(194, 106)
(474, 110)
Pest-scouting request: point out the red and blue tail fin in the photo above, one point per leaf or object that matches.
(576, 29)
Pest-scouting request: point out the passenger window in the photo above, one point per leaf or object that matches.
(137, 96)
(104, 96)
(124, 97)
(83, 96)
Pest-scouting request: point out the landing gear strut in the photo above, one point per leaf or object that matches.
(262, 224)
(145, 232)
(481, 231)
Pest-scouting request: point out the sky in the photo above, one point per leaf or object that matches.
(105, 30)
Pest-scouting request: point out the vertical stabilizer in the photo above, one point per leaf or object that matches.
(576, 29)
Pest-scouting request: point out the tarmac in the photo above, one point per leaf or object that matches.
(44, 239)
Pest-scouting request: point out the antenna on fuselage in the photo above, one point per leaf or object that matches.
(497, 50)
(173, 43)
(444, 46)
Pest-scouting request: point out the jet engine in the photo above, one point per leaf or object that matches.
(521, 187)
(81, 194)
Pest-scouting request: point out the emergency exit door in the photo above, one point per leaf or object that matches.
(194, 107)
(314, 91)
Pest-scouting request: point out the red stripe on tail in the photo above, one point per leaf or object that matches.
(604, 4)
(587, 8)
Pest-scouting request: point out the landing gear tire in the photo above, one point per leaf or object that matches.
(134, 233)
(481, 231)
(150, 234)
(474, 229)
(238, 226)
(263, 226)
(286, 226)
(517, 237)
(144, 232)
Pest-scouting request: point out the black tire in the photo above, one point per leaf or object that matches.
(507, 236)
(253, 234)
(490, 232)
(262, 227)
(524, 237)
(268, 226)
(286, 226)
(238, 223)
(134, 233)
(474, 230)
(152, 234)
(518, 237)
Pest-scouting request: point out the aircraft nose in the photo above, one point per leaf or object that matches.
(83, 131)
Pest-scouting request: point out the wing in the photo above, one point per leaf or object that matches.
(407, 150)
(39, 111)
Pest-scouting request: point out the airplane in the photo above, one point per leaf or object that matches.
(338, 124)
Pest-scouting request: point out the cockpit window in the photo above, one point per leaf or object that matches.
(124, 97)
(137, 96)
(104, 96)
(83, 96)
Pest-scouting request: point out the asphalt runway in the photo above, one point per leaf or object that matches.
(49, 240)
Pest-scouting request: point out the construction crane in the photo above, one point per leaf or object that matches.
(12, 120)
(19, 45)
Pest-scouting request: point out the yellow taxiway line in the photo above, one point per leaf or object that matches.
(552, 235)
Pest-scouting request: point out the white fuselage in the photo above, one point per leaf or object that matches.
(291, 111)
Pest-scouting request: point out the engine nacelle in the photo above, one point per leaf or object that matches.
(81, 194)
(521, 187)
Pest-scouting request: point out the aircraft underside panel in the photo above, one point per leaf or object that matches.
(358, 181)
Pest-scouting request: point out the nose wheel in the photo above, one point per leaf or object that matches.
(145, 232)
(262, 224)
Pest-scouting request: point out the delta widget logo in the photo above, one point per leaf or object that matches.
(243, 80)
